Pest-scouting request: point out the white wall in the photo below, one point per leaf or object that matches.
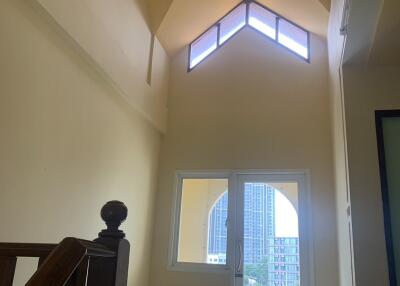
(367, 90)
(343, 202)
(69, 143)
(252, 105)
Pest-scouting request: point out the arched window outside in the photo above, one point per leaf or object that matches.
(271, 236)
(217, 231)
(268, 241)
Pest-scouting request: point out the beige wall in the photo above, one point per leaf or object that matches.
(198, 197)
(367, 90)
(290, 191)
(116, 37)
(252, 104)
(69, 143)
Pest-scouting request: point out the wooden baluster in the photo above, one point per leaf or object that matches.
(111, 271)
(41, 260)
(7, 270)
(80, 274)
(65, 261)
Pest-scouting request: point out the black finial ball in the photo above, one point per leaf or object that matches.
(114, 213)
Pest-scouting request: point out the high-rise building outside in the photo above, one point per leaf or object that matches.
(217, 233)
(268, 260)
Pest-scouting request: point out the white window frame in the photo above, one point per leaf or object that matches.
(302, 177)
(173, 263)
(235, 177)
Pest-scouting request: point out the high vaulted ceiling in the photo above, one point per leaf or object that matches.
(326, 3)
(386, 46)
(158, 9)
(178, 22)
(373, 33)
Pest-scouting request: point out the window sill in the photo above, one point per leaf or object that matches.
(199, 268)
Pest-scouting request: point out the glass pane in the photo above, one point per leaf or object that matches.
(203, 229)
(262, 20)
(271, 234)
(232, 23)
(293, 38)
(391, 138)
(203, 47)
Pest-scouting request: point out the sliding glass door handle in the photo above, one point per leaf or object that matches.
(240, 258)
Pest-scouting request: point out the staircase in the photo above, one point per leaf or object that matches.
(75, 262)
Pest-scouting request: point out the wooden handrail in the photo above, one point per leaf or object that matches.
(64, 259)
(75, 262)
(26, 249)
(40, 250)
(7, 270)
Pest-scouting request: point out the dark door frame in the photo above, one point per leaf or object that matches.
(379, 116)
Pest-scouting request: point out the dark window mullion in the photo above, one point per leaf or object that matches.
(190, 58)
(218, 34)
(308, 46)
(247, 12)
(278, 19)
(277, 29)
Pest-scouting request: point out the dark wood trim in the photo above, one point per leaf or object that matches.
(379, 116)
(62, 262)
(276, 41)
(7, 270)
(79, 277)
(26, 249)
(41, 260)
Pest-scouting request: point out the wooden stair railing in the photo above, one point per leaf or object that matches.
(75, 262)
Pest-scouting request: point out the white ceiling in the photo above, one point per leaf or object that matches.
(386, 47)
(373, 33)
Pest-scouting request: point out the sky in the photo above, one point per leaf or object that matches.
(286, 219)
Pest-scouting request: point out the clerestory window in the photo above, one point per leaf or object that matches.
(258, 17)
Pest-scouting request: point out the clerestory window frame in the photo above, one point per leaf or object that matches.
(279, 17)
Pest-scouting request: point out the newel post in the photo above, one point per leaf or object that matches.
(111, 271)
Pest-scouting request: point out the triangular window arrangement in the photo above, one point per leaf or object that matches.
(250, 13)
